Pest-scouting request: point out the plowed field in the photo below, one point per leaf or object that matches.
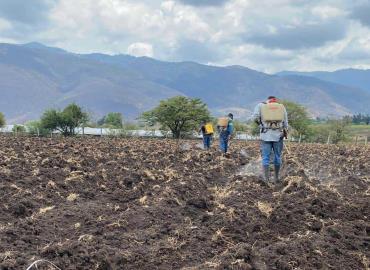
(97, 203)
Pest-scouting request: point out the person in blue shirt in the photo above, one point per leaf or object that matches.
(226, 133)
(272, 138)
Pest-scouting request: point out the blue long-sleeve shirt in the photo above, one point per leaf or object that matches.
(229, 129)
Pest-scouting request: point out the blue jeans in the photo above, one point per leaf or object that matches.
(207, 138)
(267, 147)
(224, 141)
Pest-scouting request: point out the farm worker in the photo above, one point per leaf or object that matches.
(272, 119)
(225, 128)
(207, 131)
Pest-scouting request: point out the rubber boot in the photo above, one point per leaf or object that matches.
(277, 171)
(266, 174)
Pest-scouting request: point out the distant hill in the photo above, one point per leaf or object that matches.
(36, 45)
(239, 88)
(357, 78)
(34, 77)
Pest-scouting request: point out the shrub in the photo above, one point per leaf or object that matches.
(2, 120)
(36, 128)
(18, 129)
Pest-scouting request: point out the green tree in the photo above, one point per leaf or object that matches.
(240, 126)
(298, 118)
(130, 126)
(339, 129)
(178, 114)
(65, 121)
(18, 129)
(52, 120)
(254, 129)
(319, 133)
(36, 128)
(2, 120)
(113, 119)
(333, 131)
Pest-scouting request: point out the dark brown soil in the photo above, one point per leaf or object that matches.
(97, 203)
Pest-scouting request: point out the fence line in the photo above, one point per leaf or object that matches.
(159, 134)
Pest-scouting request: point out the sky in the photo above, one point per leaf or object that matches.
(265, 35)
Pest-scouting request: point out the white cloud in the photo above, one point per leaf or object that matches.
(168, 6)
(326, 12)
(140, 49)
(111, 25)
(261, 34)
(256, 57)
(5, 25)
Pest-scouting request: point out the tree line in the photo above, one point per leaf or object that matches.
(179, 115)
(360, 119)
(182, 115)
(66, 121)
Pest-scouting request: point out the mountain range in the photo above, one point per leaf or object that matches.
(34, 77)
(356, 78)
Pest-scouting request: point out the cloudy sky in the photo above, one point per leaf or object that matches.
(266, 35)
